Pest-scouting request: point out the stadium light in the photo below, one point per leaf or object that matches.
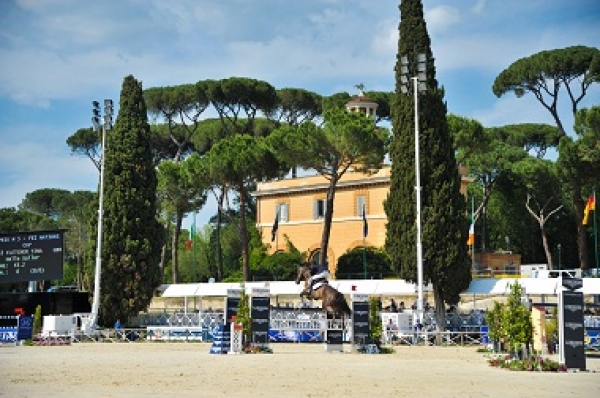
(419, 85)
(106, 126)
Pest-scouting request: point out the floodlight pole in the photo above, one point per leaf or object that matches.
(418, 191)
(417, 88)
(108, 112)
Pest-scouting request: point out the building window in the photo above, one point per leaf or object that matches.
(319, 207)
(361, 205)
(314, 258)
(282, 210)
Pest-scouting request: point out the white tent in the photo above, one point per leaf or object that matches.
(488, 286)
(532, 286)
(362, 286)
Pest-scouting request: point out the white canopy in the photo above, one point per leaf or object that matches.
(536, 286)
(362, 286)
(489, 286)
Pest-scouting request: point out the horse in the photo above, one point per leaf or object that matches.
(332, 301)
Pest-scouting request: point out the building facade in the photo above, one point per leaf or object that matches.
(300, 203)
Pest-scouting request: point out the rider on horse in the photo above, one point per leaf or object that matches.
(319, 273)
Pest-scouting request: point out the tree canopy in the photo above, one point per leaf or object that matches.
(346, 139)
(545, 74)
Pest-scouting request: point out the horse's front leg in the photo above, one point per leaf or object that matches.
(306, 292)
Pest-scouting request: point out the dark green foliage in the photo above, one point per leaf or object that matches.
(239, 160)
(516, 320)
(180, 192)
(13, 220)
(346, 139)
(243, 315)
(565, 66)
(493, 319)
(181, 106)
(384, 104)
(531, 136)
(570, 70)
(336, 101)
(468, 137)
(444, 221)
(37, 321)
(50, 202)
(279, 266)
(350, 264)
(375, 326)
(511, 323)
(132, 235)
(587, 127)
(69, 211)
(86, 142)
(295, 106)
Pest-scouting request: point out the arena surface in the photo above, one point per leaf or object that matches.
(293, 370)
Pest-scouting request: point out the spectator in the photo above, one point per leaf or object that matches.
(418, 326)
(118, 327)
(393, 306)
(391, 326)
(391, 331)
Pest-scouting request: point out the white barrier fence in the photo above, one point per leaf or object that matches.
(198, 327)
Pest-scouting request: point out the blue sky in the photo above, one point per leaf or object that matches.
(56, 56)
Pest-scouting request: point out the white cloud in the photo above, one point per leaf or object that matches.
(38, 167)
(479, 6)
(512, 110)
(440, 18)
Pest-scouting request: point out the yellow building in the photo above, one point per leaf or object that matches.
(300, 202)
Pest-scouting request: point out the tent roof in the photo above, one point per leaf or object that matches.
(489, 286)
(362, 286)
(531, 285)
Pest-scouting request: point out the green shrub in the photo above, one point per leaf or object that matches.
(534, 363)
(375, 326)
(37, 320)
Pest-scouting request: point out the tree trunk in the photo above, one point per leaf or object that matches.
(163, 259)
(219, 252)
(546, 248)
(327, 222)
(175, 239)
(244, 235)
(79, 272)
(440, 309)
(581, 229)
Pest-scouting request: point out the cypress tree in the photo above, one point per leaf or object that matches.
(443, 208)
(132, 235)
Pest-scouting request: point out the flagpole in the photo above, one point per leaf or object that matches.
(473, 224)
(194, 276)
(596, 235)
(365, 232)
(274, 230)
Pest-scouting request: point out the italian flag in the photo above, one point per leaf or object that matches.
(471, 240)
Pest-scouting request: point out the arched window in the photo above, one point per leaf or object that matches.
(314, 257)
